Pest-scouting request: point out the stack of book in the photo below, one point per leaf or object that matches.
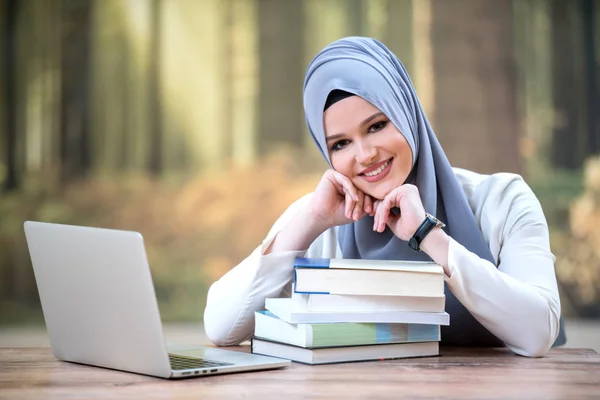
(354, 310)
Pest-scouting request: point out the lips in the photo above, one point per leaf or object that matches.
(378, 171)
(375, 169)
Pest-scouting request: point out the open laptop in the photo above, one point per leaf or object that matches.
(100, 307)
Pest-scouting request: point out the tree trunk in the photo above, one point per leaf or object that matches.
(244, 75)
(75, 146)
(570, 85)
(281, 73)
(9, 94)
(399, 31)
(591, 32)
(475, 98)
(533, 48)
(155, 159)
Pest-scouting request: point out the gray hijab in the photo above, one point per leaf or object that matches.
(366, 68)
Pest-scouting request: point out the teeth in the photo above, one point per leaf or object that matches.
(378, 170)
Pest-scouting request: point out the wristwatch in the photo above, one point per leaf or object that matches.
(422, 231)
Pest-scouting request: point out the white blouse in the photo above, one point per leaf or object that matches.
(518, 301)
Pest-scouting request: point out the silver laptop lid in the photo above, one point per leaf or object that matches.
(97, 297)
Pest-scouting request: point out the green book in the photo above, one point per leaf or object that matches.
(268, 326)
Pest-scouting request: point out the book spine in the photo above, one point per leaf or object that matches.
(303, 262)
(297, 291)
(425, 267)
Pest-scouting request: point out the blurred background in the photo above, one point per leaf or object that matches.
(183, 120)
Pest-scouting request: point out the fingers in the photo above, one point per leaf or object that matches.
(356, 203)
(358, 207)
(376, 206)
(342, 182)
(354, 209)
(353, 198)
(384, 211)
(349, 205)
(368, 205)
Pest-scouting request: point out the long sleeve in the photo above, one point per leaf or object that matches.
(518, 301)
(233, 299)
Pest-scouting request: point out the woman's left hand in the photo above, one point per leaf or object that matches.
(412, 213)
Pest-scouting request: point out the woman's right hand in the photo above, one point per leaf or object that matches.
(336, 201)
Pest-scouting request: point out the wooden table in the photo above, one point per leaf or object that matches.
(458, 373)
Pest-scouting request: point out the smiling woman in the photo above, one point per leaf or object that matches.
(365, 146)
(388, 179)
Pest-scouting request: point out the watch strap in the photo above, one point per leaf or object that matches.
(423, 230)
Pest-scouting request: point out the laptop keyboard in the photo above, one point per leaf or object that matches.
(179, 363)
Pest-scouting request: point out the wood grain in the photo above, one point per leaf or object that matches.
(31, 373)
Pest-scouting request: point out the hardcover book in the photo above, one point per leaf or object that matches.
(368, 277)
(328, 355)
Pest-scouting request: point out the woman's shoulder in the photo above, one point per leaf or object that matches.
(501, 186)
(501, 202)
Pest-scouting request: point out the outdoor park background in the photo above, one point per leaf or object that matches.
(183, 120)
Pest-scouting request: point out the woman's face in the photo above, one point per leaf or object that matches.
(366, 146)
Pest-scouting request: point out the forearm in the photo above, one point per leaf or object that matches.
(233, 299)
(297, 235)
(524, 316)
(436, 245)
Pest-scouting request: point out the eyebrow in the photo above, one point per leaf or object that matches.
(363, 123)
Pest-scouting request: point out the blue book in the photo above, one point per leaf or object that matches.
(368, 277)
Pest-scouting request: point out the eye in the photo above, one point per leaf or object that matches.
(340, 144)
(377, 126)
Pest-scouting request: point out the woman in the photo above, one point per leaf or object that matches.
(388, 177)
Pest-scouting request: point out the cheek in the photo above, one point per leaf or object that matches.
(404, 153)
(406, 157)
(341, 162)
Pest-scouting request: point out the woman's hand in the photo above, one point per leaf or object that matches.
(336, 201)
(412, 213)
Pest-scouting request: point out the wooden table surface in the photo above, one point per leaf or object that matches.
(458, 373)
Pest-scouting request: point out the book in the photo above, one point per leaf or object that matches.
(368, 303)
(268, 326)
(368, 277)
(329, 355)
(348, 263)
(287, 310)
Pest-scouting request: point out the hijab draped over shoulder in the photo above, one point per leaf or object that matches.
(367, 68)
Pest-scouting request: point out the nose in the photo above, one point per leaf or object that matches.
(366, 153)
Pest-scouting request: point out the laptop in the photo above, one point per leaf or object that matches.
(100, 307)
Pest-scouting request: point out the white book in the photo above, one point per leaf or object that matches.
(365, 264)
(368, 277)
(368, 303)
(289, 311)
(330, 355)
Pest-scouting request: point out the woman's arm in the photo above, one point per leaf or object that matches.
(233, 299)
(518, 301)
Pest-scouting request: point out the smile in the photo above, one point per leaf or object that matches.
(379, 173)
(378, 170)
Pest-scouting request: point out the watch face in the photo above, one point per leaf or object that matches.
(436, 221)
